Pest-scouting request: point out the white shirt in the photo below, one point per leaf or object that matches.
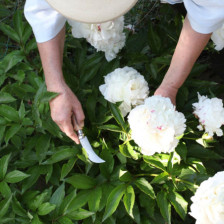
(205, 16)
(45, 21)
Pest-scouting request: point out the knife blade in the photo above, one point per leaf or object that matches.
(86, 145)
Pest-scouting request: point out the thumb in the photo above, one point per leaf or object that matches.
(78, 117)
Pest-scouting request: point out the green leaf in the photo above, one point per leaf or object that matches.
(2, 78)
(2, 132)
(94, 199)
(113, 200)
(20, 76)
(153, 162)
(110, 127)
(51, 127)
(179, 203)
(188, 174)
(11, 132)
(17, 208)
(164, 206)
(118, 116)
(18, 23)
(5, 189)
(63, 154)
(2, 121)
(106, 190)
(15, 176)
(22, 111)
(58, 195)
(29, 196)
(90, 74)
(45, 208)
(200, 152)
(153, 70)
(49, 172)
(136, 214)
(31, 45)
(4, 206)
(47, 96)
(39, 93)
(10, 60)
(9, 31)
(170, 163)
(65, 220)
(121, 157)
(37, 201)
(4, 161)
(145, 187)
(80, 214)
(27, 32)
(66, 202)
(67, 167)
(7, 220)
(4, 12)
(132, 152)
(42, 146)
(36, 220)
(9, 113)
(6, 98)
(181, 149)
(81, 181)
(129, 200)
(91, 106)
(124, 175)
(30, 181)
(160, 178)
(124, 151)
(154, 40)
(80, 200)
(147, 203)
(107, 168)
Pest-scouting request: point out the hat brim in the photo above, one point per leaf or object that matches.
(92, 11)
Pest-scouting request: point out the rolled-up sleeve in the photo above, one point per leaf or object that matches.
(45, 21)
(205, 16)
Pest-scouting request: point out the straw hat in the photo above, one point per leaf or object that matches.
(92, 11)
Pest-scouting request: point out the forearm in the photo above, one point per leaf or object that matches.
(51, 53)
(188, 49)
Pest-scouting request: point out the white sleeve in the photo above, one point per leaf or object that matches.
(45, 21)
(205, 16)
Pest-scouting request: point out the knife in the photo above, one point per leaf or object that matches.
(86, 145)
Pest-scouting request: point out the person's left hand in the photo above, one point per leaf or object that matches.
(167, 91)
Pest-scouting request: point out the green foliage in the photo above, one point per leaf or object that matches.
(46, 178)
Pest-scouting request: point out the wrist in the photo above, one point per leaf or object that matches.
(58, 87)
(169, 87)
(167, 91)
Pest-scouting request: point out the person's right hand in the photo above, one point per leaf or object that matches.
(67, 113)
(167, 91)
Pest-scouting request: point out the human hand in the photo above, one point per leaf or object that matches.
(67, 113)
(167, 91)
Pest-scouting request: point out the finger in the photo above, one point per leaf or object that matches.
(79, 115)
(69, 131)
(58, 122)
(75, 123)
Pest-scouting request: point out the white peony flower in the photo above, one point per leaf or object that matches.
(107, 37)
(208, 201)
(211, 115)
(218, 38)
(155, 125)
(127, 85)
